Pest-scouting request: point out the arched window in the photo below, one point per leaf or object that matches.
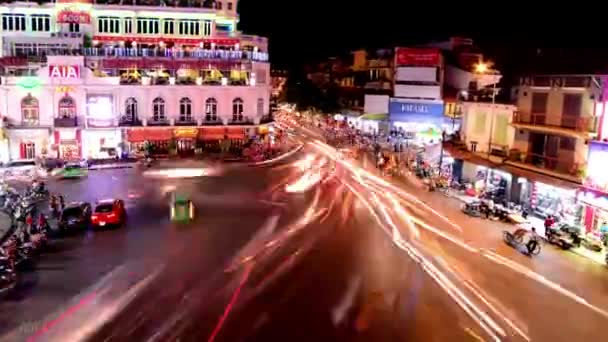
(30, 110)
(131, 109)
(158, 109)
(67, 107)
(211, 109)
(185, 109)
(260, 107)
(237, 109)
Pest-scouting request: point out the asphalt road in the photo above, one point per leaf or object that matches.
(293, 251)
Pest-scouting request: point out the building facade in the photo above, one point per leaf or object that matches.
(486, 128)
(555, 120)
(81, 79)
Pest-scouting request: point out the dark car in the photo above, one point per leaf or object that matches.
(75, 216)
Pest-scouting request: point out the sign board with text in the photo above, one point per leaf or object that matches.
(417, 57)
(73, 17)
(419, 112)
(64, 71)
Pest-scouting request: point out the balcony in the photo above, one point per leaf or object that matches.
(552, 166)
(157, 3)
(198, 54)
(568, 125)
(158, 122)
(129, 122)
(185, 121)
(66, 122)
(209, 120)
(240, 121)
(266, 119)
(32, 123)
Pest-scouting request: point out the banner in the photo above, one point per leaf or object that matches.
(73, 17)
(417, 57)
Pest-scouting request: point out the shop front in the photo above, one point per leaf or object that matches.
(101, 143)
(186, 140)
(27, 143)
(422, 122)
(68, 143)
(150, 140)
(480, 179)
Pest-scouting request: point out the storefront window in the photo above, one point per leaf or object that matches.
(67, 107)
(558, 202)
(29, 110)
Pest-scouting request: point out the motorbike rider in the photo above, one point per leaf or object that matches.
(533, 241)
(53, 205)
(61, 202)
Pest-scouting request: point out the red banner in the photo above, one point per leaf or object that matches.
(165, 63)
(67, 17)
(149, 134)
(189, 41)
(417, 57)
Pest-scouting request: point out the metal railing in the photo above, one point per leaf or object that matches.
(171, 53)
(158, 122)
(185, 121)
(65, 122)
(553, 164)
(576, 123)
(209, 120)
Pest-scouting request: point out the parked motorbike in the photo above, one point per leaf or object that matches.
(559, 238)
(472, 208)
(8, 276)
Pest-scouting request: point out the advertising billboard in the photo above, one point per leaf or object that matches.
(430, 92)
(417, 74)
(417, 57)
(597, 177)
(417, 111)
(64, 71)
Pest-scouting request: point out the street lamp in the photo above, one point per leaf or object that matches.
(483, 69)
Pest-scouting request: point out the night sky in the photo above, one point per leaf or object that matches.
(510, 32)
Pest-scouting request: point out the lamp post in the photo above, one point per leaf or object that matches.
(483, 69)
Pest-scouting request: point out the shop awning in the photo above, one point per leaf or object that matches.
(165, 63)
(212, 133)
(149, 134)
(539, 177)
(235, 133)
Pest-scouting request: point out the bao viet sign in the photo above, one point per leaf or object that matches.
(412, 111)
(64, 71)
(73, 17)
(417, 57)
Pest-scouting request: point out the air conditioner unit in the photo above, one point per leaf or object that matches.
(92, 64)
(11, 72)
(53, 35)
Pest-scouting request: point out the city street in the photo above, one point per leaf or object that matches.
(293, 251)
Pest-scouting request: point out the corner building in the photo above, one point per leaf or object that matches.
(80, 79)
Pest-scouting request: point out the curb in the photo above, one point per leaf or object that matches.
(111, 167)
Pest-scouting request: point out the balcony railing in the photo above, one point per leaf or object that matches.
(185, 121)
(575, 123)
(209, 120)
(553, 164)
(245, 121)
(152, 3)
(158, 122)
(129, 122)
(266, 119)
(65, 122)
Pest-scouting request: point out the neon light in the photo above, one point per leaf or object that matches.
(29, 83)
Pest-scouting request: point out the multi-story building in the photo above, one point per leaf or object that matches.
(556, 118)
(80, 78)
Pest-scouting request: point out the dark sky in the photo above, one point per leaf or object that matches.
(302, 31)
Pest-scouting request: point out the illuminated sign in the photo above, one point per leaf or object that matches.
(64, 71)
(73, 17)
(417, 57)
(28, 82)
(64, 89)
(185, 132)
(430, 113)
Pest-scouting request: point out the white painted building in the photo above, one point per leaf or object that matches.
(488, 127)
(80, 79)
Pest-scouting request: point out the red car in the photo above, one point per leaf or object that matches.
(109, 212)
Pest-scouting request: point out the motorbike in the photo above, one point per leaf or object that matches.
(518, 244)
(8, 276)
(472, 209)
(559, 238)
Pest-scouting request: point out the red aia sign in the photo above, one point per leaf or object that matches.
(75, 17)
(417, 57)
(64, 71)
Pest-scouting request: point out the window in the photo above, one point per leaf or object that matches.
(572, 105)
(567, 143)
(260, 107)
(67, 107)
(189, 27)
(40, 22)
(13, 22)
(29, 110)
(108, 25)
(229, 6)
(74, 27)
(169, 26)
(128, 22)
(206, 27)
(158, 109)
(539, 103)
(185, 109)
(211, 109)
(501, 126)
(29, 149)
(131, 109)
(480, 123)
(218, 5)
(237, 109)
(147, 26)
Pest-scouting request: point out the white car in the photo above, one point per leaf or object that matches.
(21, 168)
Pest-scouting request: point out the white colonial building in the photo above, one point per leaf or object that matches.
(182, 75)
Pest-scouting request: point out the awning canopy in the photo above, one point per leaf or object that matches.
(235, 133)
(212, 133)
(149, 134)
(166, 64)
